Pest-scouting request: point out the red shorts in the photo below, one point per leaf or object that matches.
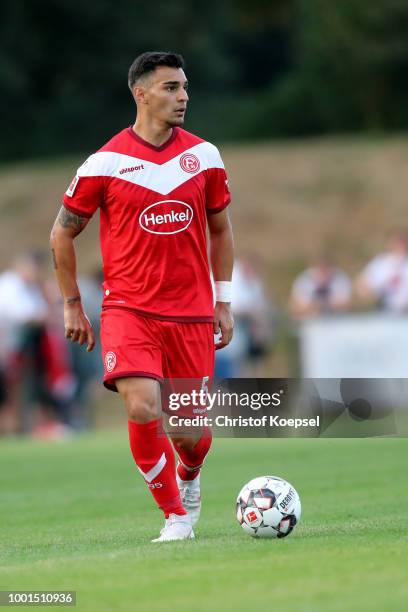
(134, 345)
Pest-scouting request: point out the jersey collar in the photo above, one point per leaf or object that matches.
(149, 145)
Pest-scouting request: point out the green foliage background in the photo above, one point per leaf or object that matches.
(261, 69)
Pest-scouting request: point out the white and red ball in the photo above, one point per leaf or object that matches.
(268, 507)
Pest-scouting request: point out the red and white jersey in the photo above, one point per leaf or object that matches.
(153, 205)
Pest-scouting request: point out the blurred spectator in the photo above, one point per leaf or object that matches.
(253, 329)
(21, 295)
(45, 381)
(88, 367)
(58, 379)
(5, 425)
(35, 357)
(321, 289)
(384, 280)
(23, 311)
(69, 370)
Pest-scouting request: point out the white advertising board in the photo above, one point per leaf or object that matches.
(355, 346)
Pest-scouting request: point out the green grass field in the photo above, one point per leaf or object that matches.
(76, 515)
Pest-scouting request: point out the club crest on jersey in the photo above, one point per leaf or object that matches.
(166, 217)
(110, 361)
(190, 163)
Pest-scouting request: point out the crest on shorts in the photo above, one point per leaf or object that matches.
(110, 361)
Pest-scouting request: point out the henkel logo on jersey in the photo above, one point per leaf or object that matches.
(166, 217)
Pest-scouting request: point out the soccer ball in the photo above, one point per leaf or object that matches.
(268, 507)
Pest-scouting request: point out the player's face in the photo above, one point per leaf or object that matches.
(166, 95)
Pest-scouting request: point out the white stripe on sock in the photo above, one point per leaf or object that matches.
(156, 469)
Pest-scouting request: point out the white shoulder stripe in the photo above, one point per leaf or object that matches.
(160, 178)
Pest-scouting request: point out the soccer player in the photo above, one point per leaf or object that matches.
(158, 189)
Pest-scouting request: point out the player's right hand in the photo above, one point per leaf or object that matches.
(77, 326)
(223, 323)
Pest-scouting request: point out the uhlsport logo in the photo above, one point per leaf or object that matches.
(110, 361)
(190, 163)
(166, 217)
(131, 169)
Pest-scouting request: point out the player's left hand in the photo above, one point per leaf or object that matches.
(223, 323)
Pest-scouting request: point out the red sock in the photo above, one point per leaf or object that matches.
(154, 457)
(191, 460)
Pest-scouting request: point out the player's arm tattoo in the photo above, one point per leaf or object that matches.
(69, 220)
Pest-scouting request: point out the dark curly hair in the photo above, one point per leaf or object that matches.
(149, 61)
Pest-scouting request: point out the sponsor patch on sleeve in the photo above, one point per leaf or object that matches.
(72, 187)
